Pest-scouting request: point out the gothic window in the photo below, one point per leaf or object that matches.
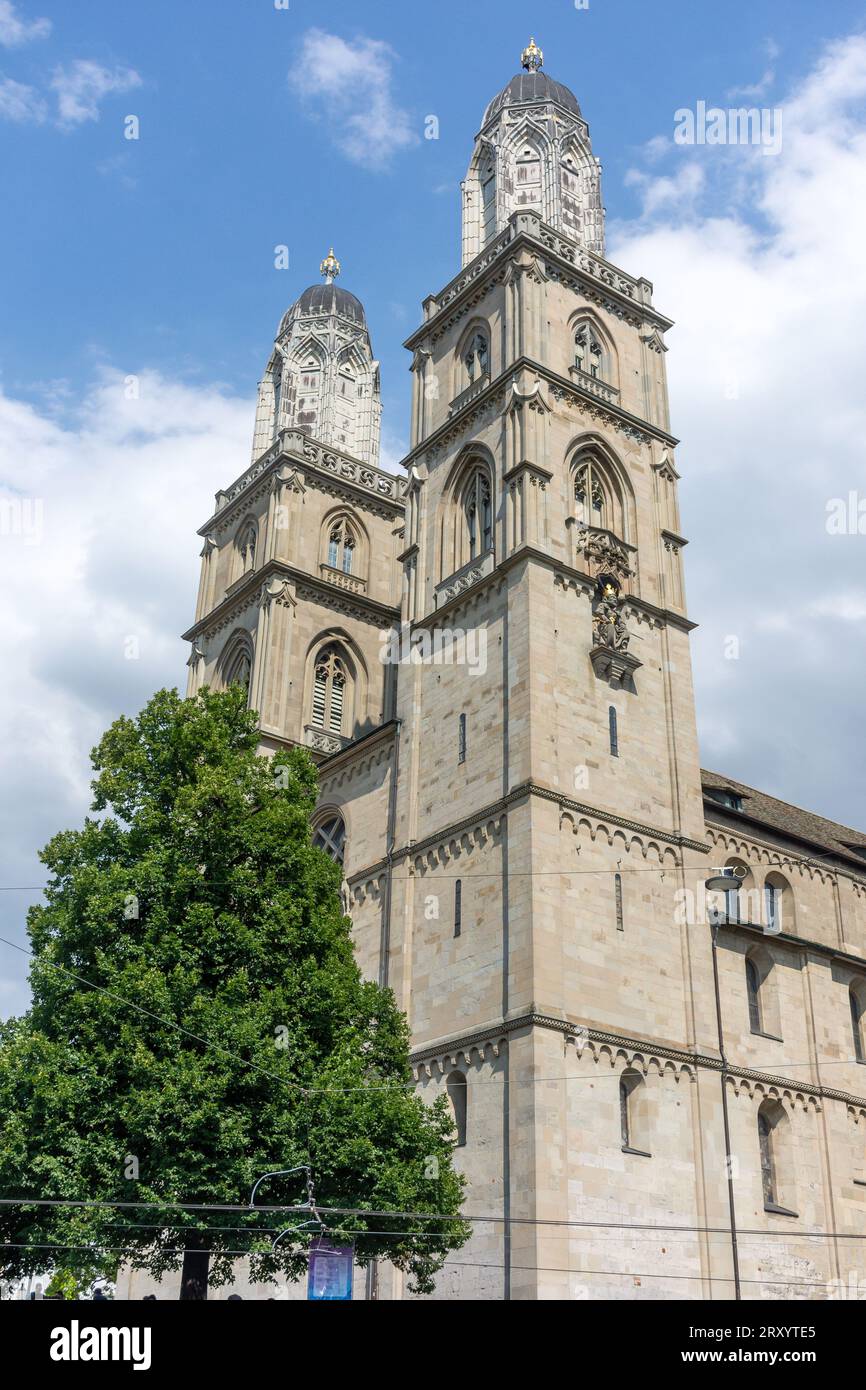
(778, 904)
(246, 547)
(330, 835)
(478, 512)
(329, 690)
(341, 546)
(457, 1092)
(753, 990)
(855, 1001)
(589, 496)
(458, 907)
(477, 358)
(632, 1112)
(488, 203)
(768, 1168)
(236, 663)
(278, 395)
(588, 352)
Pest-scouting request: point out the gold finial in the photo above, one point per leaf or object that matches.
(532, 57)
(330, 267)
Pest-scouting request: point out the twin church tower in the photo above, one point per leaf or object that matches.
(517, 831)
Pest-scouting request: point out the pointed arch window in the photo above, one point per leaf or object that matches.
(278, 395)
(329, 691)
(589, 354)
(488, 202)
(246, 544)
(478, 511)
(589, 495)
(341, 546)
(768, 1166)
(477, 358)
(330, 835)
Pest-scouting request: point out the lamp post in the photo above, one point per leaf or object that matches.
(720, 881)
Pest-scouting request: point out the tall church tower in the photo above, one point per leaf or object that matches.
(547, 791)
(489, 659)
(299, 564)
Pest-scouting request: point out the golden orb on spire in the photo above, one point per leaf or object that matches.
(532, 57)
(330, 267)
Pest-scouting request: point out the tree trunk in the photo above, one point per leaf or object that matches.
(193, 1280)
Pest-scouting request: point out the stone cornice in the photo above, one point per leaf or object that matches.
(361, 480)
(802, 944)
(368, 609)
(631, 425)
(500, 1031)
(360, 748)
(595, 273)
(824, 860)
(582, 579)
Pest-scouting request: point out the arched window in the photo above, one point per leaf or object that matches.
(856, 995)
(246, 547)
(598, 498)
(476, 358)
(632, 1112)
(488, 203)
(329, 690)
(457, 1092)
(341, 546)
(777, 1172)
(277, 379)
(589, 354)
(778, 904)
(742, 905)
(768, 1167)
(478, 511)
(753, 990)
(330, 835)
(236, 663)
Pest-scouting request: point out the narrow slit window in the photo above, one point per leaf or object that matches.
(617, 893)
(614, 732)
(458, 907)
(461, 739)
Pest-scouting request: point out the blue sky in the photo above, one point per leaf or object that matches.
(261, 127)
(159, 252)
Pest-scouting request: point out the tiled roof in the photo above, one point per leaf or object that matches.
(825, 835)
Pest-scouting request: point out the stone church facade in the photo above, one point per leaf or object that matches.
(659, 1092)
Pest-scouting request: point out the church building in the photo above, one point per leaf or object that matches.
(659, 1089)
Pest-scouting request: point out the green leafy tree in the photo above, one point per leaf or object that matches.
(198, 1020)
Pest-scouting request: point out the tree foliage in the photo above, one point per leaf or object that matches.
(198, 1019)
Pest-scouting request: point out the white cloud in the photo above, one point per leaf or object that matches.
(15, 31)
(766, 280)
(110, 561)
(84, 84)
(349, 85)
(20, 103)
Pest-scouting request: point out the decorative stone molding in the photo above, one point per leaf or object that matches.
(614, 665)
(320, 741)
(352, 583)
(594, 386)
(581, 400)
(464, 578)
(471, 1053)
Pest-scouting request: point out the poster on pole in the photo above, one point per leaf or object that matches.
(330, 1273)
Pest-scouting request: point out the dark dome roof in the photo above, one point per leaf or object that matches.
(531, 87)
(326, 299)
